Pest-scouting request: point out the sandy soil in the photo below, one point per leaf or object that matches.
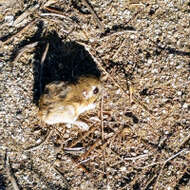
(139, 132)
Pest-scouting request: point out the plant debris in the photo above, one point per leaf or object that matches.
(139, 133)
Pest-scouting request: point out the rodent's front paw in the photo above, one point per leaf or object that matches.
(81, 125)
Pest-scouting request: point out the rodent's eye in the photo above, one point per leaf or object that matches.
(96, 90)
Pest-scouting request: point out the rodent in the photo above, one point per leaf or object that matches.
(63, 102)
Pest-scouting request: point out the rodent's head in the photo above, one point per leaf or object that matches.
(91, 88)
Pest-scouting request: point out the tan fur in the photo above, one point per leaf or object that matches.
(63, 102)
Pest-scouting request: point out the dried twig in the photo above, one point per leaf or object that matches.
(22, 50)
(142, 105)
(44, 54)
(25, 14)
(19, 31)
(50, 132)
(59, 132)
(164, 164)
(10, 174)
(85, 155)
(186, 139)
(60, 23)
(150, 165)
(133, 159)
(102, 117)
(91, 130)
(137, 157)
(103, 137)
(119, 33)
(75, 149)
(106, 141)
(174, 156)
(79, 165)
(119, 49)
(100, 25)
(131, 93)
(63, 177)
(42, 65)
(150, 180)
(49, 2)
(55, 12)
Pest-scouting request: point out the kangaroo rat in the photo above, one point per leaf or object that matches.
(63, 102)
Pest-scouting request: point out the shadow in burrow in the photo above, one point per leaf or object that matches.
(65, 61)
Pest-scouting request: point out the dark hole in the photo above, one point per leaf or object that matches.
(36, 128)
(18, 112)
(43, 133)
(185, 179)
(2, 182)
(79, 145)
(148, 55)
(131, 115)
(59, 156)
(136, 186)
(108, 130)
(158, 40)
(144, 92)
(135, 119)
(157, 52)
(151, 12)
(57, 144)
